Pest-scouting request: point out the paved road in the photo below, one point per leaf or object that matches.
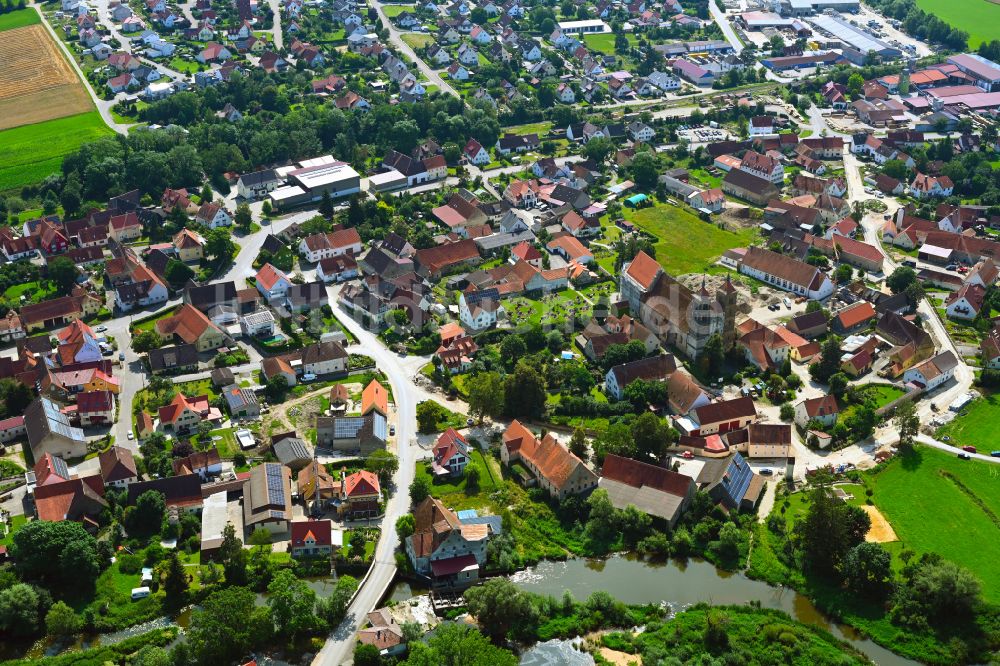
(279, 39)
(340, 644)
(103, 106)
(396, 37)
(725, 26)
(108, 23)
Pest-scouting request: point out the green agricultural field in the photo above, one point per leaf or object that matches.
(19, 19)
(605, 42)
(686, 244)
(392, 11)
(416, 40)
(939, 503)
(977, 426)
(979, 18)
(32, 152)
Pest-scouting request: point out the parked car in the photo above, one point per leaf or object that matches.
(995, 454)
(392, 430)
(969, 449)
(767, 471)
(909, 263)
(308, 377)
(101, 329)
(121, 356)
(130, 435)
(964, 456)
(687, 455)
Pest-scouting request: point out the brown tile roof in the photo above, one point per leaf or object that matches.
(374, 397)
(188, 324)
(727, 410)
(855, 314)
(683, 392)
(643, 269)
(553, 461)
(638, 474)
(783, 267)
(821, 406)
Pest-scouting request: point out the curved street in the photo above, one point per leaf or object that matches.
(396, 37)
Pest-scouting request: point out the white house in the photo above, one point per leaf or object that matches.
(258, 324)
(933, 372)
(475, 153)
(334, 244)
(272, 283)
(966, 303)
(213, 216)
(565, 94)
(823, 409)
(761, 126)
(930, 186)
(480, 310)
(640, 132)
(786, 273)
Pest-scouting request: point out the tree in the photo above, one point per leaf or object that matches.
(524, 393)
(429, 414)
(867, 570)
(333, 608)
(830, 529)
(838, 384)
(233, 557)
(63, 272)
(485, 395)
(939, 591)
(652, 435)
(146, 517)
(602, 524)
(843, 274)
(219, 244)
(829, 360)
(645, 169)
(153, 656)
(260, 537)
(512, 349)
(19, 612)
(854, 84)
(15, 397)
(900, 279)
(357, 543)
(472, 475)
(276, 388)
(61, 621)
(419, 490)
(895, 169)
(175, 581)
(458, 645)
(56, 554)
(227, 626)
(499, 606)
(598, 149)
(291, 601)
(405, 526)
(146, 341)
(578, 444)
(326, 205)
(243, 218)
(907, 424)
(713, 356)
(366, 654)
(206, 194)
(177, 274)
(383, 463)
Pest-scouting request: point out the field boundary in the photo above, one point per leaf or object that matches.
(972, 496)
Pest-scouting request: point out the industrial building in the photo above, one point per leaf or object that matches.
(857, 43)
(810, 7)
(308, 180)
(590, 26)
(985, 72)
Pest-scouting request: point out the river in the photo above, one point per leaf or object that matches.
(683, 584)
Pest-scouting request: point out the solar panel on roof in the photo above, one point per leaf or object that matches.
(275, 484)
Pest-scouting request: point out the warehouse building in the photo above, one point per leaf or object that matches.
(810, 7)
(857, 43)
(307, 181)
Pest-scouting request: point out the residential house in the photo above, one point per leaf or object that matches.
(324, 358)
(450, 454)
(554, 467)
(118, 467)
(718, 417)
(786, 273)
(175, 359)
(272, 283)
(966, 303)
(311, 538)
(333, 244)
(190, 326)
(854, 317)
(49, 431)
(183, 413)
(656, 491)
(360, 494)
(267, 499)
(651, 369)
(444, 549)
(241, 402)
(823, 409)
(745, 185)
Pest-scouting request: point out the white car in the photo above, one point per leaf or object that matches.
(308, 377)
(130, 435)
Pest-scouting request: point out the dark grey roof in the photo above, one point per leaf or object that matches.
(173, 357)
(291, 449)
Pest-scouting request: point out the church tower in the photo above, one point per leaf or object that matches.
(727, 297)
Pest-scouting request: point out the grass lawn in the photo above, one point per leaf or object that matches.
(32, 152)
(392, 11)
(346, 548)
(34, 291)
(541, 129)
(882, 394)
(684, 243)
(179, 64)
(977, 426)
(455, 493)
(417, 40)
(973, 16)
(19, 19)
(16, 523)
(931, 499)
(226, 443)
(605, 42)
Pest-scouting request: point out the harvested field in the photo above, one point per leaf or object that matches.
(37, 83)
(881, 531)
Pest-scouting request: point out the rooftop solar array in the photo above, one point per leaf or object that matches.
(275, 484)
